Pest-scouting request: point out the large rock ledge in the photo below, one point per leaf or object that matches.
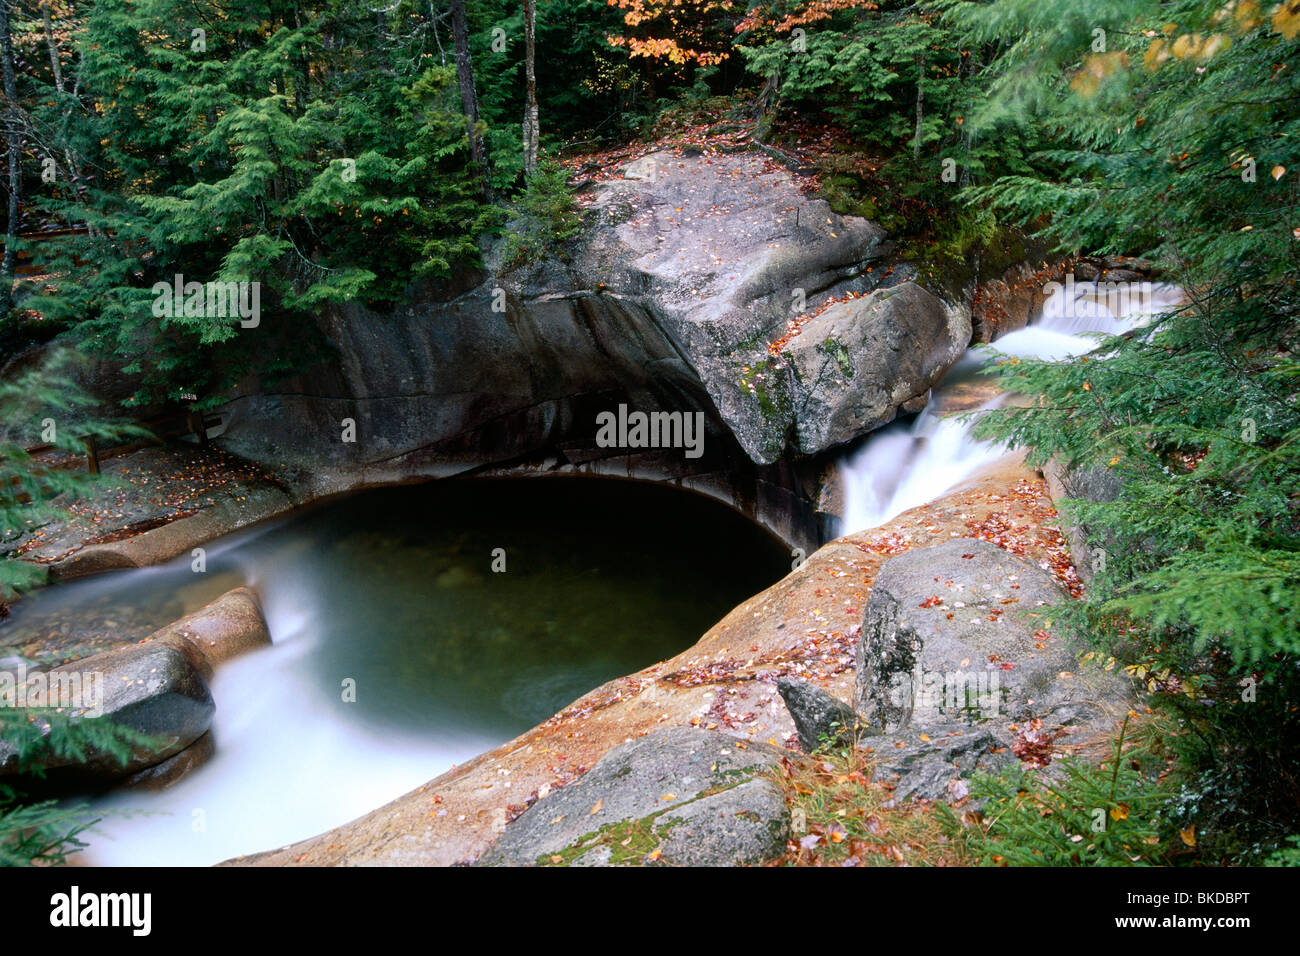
(688, 269)
(677, 796)
(804, 627)
(157, 687)
(177, 537)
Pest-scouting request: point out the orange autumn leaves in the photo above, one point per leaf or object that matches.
(757, 18)
(686, 23)
(684, 20)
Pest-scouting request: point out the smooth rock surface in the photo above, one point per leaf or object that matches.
(176, 537)
(153, 688)
(861, 361)
(667, 301)
(960, 669)
(229, 627)
(958, 627)
(682, 786)
(805, 625)
(163, 776)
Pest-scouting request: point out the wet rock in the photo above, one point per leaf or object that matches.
(1087, 271)
(914, 406)
(819, 717)
(1008, 303)
(689, 794)
(829, 511)
(222, 629)
(230, 626)
(171, 771)
(684, 274)
(173, 538)
(153, 688)
(96, 559)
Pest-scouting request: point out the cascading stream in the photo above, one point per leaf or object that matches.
(906, 465)
(395, 589)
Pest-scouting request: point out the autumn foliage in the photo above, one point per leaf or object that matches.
(760, 17)
(692, 27)
(694, 31)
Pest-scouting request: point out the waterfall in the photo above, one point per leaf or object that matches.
(903, 465)
(288, 763)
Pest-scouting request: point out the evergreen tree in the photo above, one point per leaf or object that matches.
(311, 149)
(1176, 139)
(44, 831)
(43, 408)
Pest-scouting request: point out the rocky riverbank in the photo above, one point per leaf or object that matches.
(704, 284)
(157, 686)
(968, 564)
(152, 505)
(806, 627)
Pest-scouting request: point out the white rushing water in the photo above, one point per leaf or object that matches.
(397, 650)
(285, 767)
(905, 465)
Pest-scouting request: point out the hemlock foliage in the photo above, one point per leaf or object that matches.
(1112, 815)
(1178, 143)
(43, 407)
(316, 149)
(46, 831)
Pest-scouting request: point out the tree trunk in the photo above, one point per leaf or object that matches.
(468, 94)
(968, 138)
(194, 421)
(92, 454)
(15, 159)
(530, 110)
(920, 101)
(765, 107)
(53, 48)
